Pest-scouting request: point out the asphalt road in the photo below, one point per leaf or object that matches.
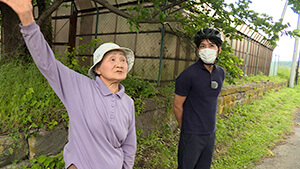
(287, 154)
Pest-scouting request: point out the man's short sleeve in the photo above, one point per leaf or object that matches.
(183, 84)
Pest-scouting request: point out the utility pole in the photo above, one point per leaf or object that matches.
(272, 59)
(284, 9)
(293, 68)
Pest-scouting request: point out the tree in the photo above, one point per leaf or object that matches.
(9, 28)
(190, 15)
(195, 14)
(13, 45)
(295, 5)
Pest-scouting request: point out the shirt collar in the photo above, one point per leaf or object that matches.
(105, 90)
(201, 64)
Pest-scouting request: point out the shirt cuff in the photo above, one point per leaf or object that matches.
(28, 28)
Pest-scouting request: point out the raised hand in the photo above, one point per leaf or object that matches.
(23, 9)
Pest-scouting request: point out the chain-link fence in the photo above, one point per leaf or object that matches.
(160, 54)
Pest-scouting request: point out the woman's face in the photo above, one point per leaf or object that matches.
(113, 67)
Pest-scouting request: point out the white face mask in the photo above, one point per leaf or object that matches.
(207, 55)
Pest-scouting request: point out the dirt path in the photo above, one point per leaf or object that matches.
(286, 155)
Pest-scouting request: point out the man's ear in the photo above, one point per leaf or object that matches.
(220, 48)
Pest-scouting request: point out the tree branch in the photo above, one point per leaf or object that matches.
(174, 3)
(117, 11)
(113, 9)
(178, 9)
(49, 11)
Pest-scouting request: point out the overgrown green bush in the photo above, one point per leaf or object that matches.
(26, 99)
(158, 150)
(284, 72)
(138, 88)
(43, 162)
(230, 63)
(260, 78)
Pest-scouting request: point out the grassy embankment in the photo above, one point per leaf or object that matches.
(244, 135)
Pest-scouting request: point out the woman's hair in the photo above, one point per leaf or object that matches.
(96, 67)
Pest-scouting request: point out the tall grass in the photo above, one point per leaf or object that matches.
(248, 132)
(284, 72)
(26, 98)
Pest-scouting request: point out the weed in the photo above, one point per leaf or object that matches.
(138, 88)
(26, 99)
(158, 150)
(247, 132)
(47, 162)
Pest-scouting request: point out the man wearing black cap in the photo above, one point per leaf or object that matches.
(195, 102)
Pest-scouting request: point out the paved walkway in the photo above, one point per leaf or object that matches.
(286, 155)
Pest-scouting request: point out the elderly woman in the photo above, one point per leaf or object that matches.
(102, 126)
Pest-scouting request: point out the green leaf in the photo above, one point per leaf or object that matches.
(41, 159)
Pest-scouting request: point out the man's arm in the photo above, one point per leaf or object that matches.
(178, 107)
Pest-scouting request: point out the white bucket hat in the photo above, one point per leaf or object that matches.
(106, 47)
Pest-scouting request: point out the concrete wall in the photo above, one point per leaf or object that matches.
(240, 94)
(154, 116)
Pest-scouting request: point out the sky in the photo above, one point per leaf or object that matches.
(285, 46)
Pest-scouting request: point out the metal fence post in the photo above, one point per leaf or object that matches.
(97, 20)
(257, 59)
(161, 53)
(274, 65)
(265, 60)
(247, 54)
(161, 50)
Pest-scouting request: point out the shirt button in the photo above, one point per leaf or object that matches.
(111, 116)
(112, 105)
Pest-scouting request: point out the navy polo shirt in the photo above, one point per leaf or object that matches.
(200, 106)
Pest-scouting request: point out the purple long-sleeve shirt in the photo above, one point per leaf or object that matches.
(102, 125)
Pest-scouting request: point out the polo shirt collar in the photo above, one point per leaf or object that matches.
(105, 90)
(201, 64)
